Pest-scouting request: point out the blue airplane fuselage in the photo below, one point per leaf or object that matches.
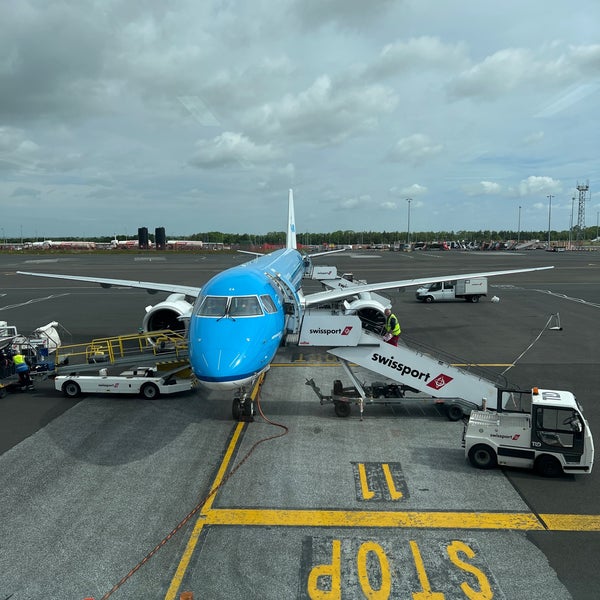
(231, 344)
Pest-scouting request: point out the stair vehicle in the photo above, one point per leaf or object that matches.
(553, 437)
(466, 289)
(147, 382)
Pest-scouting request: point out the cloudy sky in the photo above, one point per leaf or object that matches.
(199, 115)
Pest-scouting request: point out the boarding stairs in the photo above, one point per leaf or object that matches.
(460, 389)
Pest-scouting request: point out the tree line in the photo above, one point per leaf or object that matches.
(351, 237)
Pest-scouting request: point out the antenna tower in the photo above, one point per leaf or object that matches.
(583, 190)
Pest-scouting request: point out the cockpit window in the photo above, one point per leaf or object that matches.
(213, 306)
(244, 306)
(268, 303)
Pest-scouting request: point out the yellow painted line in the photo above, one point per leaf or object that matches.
(375, 519)
(191, 545)
(572, 522)
(200, 522)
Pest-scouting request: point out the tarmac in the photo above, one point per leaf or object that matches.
(298, 504)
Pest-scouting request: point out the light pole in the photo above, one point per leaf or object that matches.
(549, 216)
(597, 215)
(519, 228)
(409, 200)
(571, 224)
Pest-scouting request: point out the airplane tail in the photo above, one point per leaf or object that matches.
(291, 232)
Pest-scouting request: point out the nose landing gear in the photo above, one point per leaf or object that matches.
(242, 408)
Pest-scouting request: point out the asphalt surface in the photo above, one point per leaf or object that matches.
(88, 488)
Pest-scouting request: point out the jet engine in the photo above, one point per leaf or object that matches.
(172, 313)
(369, 308)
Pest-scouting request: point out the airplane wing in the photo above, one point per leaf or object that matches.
(349, 288)
(149, 286)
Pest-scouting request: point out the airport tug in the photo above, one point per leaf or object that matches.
(552, 438)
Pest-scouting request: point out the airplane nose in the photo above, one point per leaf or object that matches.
(218, 356)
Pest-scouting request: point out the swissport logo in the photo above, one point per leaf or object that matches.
(320, 330)
(437, 383)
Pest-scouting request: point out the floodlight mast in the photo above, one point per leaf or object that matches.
(583, 190)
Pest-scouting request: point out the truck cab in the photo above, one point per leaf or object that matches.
(439, 290)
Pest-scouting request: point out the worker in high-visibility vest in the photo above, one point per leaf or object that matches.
(392, 328)
(22, 369)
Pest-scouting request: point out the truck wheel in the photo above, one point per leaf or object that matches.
(474, 299)
(428, 299)
(342, 409)
(548, 466)
(482, 457)
(71, 389)
(454, 412)
(150, 391)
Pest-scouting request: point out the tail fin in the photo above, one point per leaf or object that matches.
(291, 232)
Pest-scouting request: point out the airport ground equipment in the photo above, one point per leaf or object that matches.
(552, 437)
(342, 397)
(37, 348)
(459, 390)
(148, 382)
(465, 289)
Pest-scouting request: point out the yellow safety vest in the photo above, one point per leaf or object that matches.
(388, 327)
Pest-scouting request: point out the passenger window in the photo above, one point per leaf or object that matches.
(244, 306)
(213, 306)
(268, 303)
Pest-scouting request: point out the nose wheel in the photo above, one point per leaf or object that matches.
(242, 409)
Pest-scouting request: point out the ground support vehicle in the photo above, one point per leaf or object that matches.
(378, 392)
(459, 391)
(553, 437)
(148, 382)
(463, 289)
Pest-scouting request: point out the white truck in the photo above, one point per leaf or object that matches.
(552, 438)
(468, 289)
(147, 382)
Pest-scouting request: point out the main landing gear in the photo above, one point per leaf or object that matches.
(242, 407)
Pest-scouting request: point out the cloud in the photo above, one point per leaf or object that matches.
(416, 54)
(483, 188)
(546, 67)
(323, 114)
(533, 138)
(534, 186)
(414, 149)
(357, 202)
(230, 149)
(343, 13)
(409, 191)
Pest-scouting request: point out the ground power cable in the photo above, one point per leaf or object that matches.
(200, 504)
(514, 362)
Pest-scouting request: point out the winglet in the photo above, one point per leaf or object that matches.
(291, 232)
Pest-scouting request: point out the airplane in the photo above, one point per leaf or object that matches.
(237, 321)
